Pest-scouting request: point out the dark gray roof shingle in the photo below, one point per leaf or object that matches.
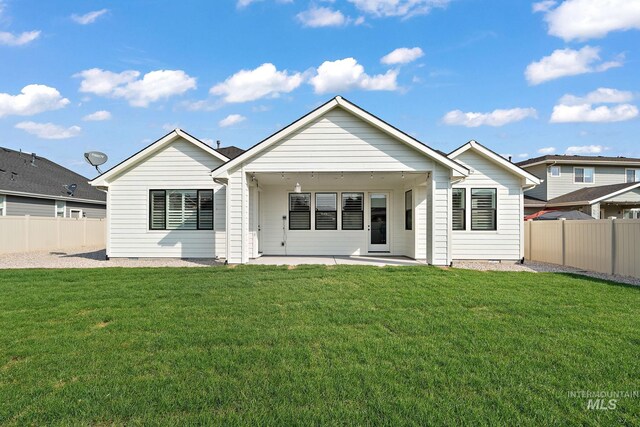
(43, 177)
(231, 152)
(578, 159)
(587, 194)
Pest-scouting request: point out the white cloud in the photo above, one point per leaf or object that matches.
(33, 99)
(264, 81)
(578, 109)
(494, 118)
(152, 87)
(403, 8)
(601, 95)
(543, 6)
(244, 3)
(88, 18)
(585, 149)
(49, 130)
(98, 116)
(402, 55)
(523, 155)
(567, 62)
(587, 113)
(231, 120)
(588, 19)
(316, 17)
(547, 150)
(345, 74)
(9, 39)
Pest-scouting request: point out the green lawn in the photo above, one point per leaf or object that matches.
(314, 345)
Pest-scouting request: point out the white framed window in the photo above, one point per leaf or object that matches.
(554, 171)
(299, 211)
(458, 208)
(326, 211)
(61, 207)
(584, 175)
(3, 205)
(181, 209)
(75, 213)
(353, 211)
(631, 213)
(633, 175)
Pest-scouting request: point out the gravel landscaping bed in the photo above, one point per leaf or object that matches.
(95, 258)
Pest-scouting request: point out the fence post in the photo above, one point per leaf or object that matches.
(564, 241)
(613, 246)
(27, 224)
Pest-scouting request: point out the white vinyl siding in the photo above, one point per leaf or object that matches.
(338, 141)
(178, 166)
(504, 242)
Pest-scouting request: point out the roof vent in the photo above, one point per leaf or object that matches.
(13, 176)
(218, 144)
(33, 159)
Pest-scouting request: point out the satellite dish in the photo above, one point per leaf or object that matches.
(95, 159)
(71, 188)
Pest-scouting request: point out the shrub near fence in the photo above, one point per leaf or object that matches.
(31, 233)
(604, 246)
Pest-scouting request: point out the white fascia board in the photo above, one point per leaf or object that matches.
(585, 162)
(338, 101)
(103, 179)
(530, 179)
(614, 194)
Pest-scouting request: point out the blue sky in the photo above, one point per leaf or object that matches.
(523, 78)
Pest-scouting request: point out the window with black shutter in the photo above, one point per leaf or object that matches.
(353, 211)
(326, 211)
(458, 208)
(299, 211)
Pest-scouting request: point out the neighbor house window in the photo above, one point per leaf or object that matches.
(554, 171)
(181, 210)
(300, 211)
(326, 211)
(61, 206)
(631, 213)
(353, 211)
(583, 175)
(483, 208)
(633, 175)
(408, 210)
(458, 208)
(3, 205)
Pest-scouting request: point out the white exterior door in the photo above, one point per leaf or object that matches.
(378, 222)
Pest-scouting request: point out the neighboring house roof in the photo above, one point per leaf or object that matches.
(592, 195)
(25, 174)
(339, 102)
(533, 202)
(231, 152)
(530, 179)
(102, 179)
(559, 158)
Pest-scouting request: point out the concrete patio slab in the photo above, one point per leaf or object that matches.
(378, 261)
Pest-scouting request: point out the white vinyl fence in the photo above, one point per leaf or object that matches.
(32, 233)
(609, 246)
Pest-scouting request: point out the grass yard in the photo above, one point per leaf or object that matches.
(314, 345)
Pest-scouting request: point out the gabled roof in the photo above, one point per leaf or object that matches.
(565, 159)
(35, 176)
(102, 180)
(339, 102)
(592, 195)
(530, 179)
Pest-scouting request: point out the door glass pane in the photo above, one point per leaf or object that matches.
(378, 219)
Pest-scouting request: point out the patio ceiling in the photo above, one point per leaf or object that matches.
(323, 179)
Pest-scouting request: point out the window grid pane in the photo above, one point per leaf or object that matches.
(205, 211)
(157, 210)
(408, 210)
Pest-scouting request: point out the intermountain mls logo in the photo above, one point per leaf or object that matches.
(603, 400)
